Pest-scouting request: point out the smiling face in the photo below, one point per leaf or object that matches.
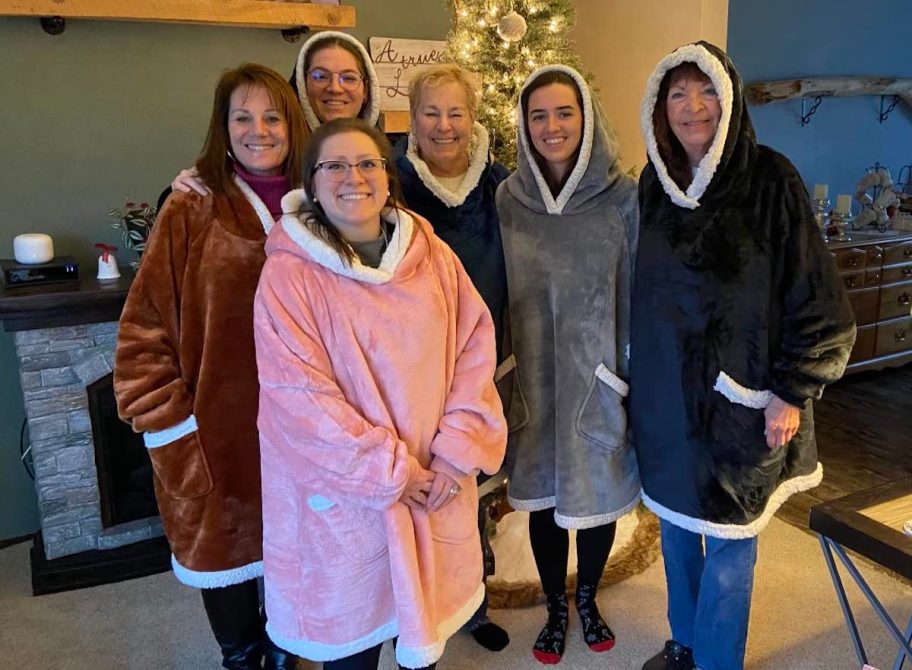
(443, 128)
(555, 123)
(257, 130)
(353, 205)
(693, 112)
(330, 100)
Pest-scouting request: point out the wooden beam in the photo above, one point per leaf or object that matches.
(764, 92)
(242, 13)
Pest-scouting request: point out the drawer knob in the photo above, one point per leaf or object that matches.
(900, 336)
(875, 276)
(907, 272)
(904, 298)
(853, 260)
(907, 252)
(850, 282)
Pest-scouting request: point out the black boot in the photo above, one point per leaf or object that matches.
(277, 658)
(549, 647)
(595, 631)
(234, 616)
(674, 656)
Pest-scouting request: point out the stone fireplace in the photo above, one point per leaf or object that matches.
(93, 479)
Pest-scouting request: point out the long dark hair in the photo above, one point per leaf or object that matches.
(546, 79)
(670, 149)
(318, 222)
(215, 163)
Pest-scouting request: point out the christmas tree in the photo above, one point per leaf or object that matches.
(504, 41)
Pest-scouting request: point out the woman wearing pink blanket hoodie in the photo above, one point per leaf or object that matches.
(377, 409)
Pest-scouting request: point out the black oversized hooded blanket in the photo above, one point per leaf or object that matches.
(735, 299)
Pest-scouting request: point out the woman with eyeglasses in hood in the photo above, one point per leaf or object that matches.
(739, 321)
(334, 79)
(568, 218)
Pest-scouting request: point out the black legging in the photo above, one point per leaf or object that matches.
(551, 547)
(368, 659)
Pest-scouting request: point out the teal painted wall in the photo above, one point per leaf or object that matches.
(109, 110)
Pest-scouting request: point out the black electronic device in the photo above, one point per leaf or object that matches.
(59, 269)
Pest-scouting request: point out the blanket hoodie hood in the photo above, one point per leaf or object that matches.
(596, 168)
(569, 263)
(736, 300)
(371, 111)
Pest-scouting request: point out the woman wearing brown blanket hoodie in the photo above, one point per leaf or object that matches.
(185, 371)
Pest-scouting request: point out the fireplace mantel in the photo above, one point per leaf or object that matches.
(68, 303)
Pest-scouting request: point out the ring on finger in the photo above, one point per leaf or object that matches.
(454, 490)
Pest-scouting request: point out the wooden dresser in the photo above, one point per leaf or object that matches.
(877, 271)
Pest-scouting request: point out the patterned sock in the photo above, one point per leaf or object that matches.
(549, 647)
(595, 631)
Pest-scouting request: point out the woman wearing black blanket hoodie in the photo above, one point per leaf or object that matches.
(738, 322)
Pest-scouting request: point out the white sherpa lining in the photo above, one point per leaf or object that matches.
(420, 657)
(530, 504)
(505, 368)
(258, 205)
(218, 578)
(608, 377)
(329, 258)
(478, 160)
(742, 395)
(409, 657)
(556, 205)
(371, 113)
(715, 70)
(734, 531)
(159, 438)
(584, 522)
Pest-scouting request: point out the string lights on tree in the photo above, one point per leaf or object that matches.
(504, 41)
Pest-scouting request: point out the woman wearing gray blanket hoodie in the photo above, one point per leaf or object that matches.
(568, 218)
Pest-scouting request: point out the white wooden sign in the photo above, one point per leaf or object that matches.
(397, 61)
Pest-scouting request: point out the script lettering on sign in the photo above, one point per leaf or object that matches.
(397, 61)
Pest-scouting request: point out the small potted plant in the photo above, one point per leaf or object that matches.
(134, 221)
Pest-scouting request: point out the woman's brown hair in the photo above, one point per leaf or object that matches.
(318, 222)
(546, 79)
(215, 163)
(670, 149)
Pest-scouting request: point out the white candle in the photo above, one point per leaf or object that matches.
(820, 191)
(844, 204)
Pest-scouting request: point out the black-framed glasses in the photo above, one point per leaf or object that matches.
(338, 171)
(348, 80)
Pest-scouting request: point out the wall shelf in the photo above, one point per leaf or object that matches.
(890, 89)
(239, 13)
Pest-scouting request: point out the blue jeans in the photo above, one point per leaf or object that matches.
(709, 595)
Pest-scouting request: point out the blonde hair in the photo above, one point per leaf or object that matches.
(445, 73)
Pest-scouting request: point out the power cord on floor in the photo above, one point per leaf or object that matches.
(25, 453)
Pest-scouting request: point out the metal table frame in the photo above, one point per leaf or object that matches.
(839, 525)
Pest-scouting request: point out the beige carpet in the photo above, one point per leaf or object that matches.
(154, 623)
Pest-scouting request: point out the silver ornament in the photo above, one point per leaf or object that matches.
(512, 27)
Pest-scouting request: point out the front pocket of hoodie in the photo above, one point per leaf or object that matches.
(181, 467)
(737, 421)
(359, 533)
(509, 388)
(602, 418)
(457, 521)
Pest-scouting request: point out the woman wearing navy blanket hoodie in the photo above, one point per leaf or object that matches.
(738, 323)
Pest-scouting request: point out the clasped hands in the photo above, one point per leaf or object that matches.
(430, 491)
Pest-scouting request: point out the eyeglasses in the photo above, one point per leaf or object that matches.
(338, 171)
(348, 80)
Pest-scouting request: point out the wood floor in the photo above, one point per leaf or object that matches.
(864, 438)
